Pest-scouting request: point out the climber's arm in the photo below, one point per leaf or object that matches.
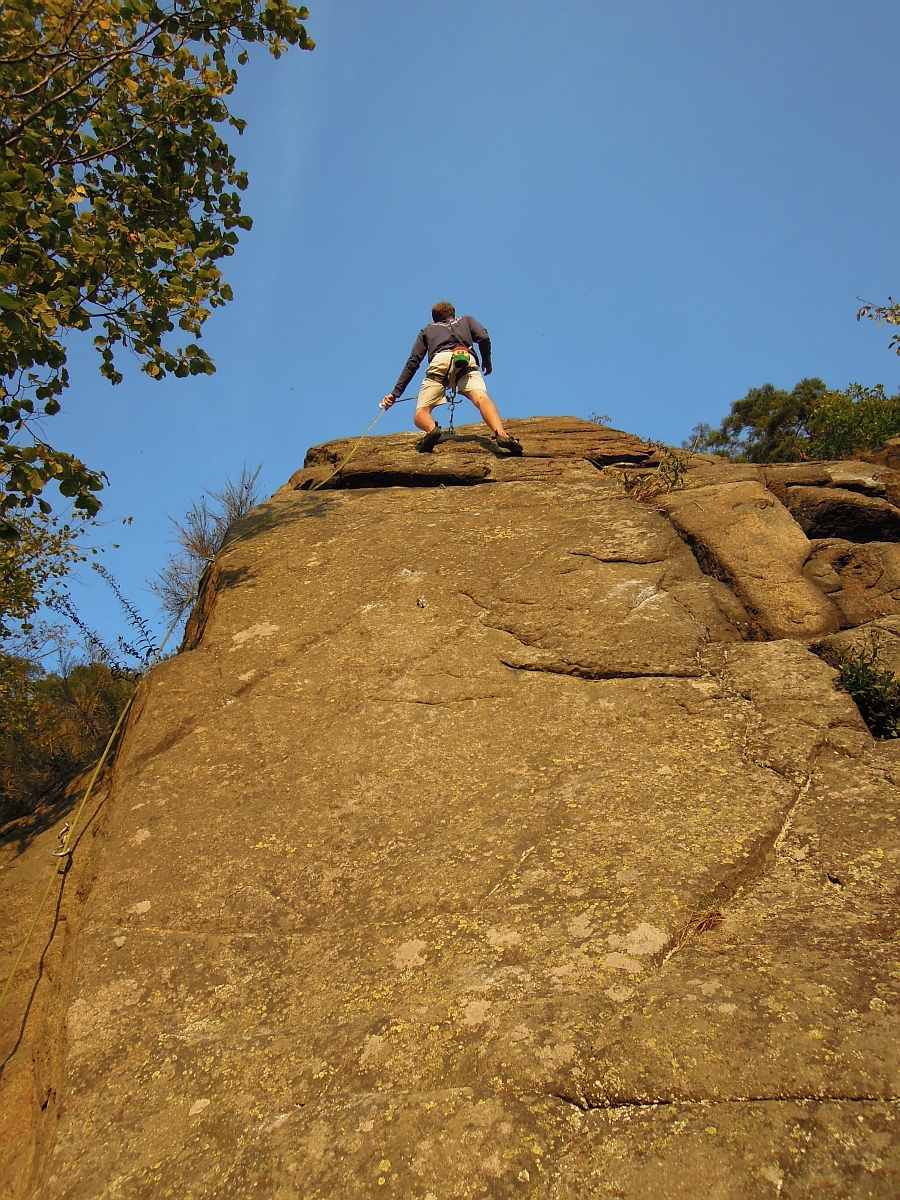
(481, 337)
(419, 350)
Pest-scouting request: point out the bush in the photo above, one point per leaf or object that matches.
(843, 423)
(53, 725)
(875, 688)
(770, 425)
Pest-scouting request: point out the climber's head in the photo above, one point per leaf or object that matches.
(443, 311)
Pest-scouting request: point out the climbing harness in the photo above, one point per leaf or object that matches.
(460, 364)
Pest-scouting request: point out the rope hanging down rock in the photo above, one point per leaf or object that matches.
(67, 833)
(66, 836)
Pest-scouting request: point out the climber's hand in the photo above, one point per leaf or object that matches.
(387, 402)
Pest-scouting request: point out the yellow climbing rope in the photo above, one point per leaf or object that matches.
(65, 849)
(66, 846)
(353, 450)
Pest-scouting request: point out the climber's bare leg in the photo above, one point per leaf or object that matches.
(424, 419)
(488, 410)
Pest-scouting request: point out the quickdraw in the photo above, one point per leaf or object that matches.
(452, 397)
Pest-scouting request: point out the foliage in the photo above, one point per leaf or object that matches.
(599, 419)
(811, 421)
(52, 725)
(31, 568)
(200, 534)
(142, 650)
(669, 476)
(875, 688)
(888, 313)
(767, 425)
(119, 199)
(843, 423)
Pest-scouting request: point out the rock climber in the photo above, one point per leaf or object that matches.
(445, 341)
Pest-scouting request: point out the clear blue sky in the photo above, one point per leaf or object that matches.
(651, 206)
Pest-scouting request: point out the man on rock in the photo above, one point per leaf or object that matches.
(449, 343)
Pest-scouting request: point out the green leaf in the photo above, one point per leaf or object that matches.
(118, 198)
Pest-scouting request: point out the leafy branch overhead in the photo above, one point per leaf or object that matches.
(888, 313)
(120, 198)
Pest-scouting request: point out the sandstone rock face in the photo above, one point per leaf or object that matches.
(862, 580)
(483, 840)
(884, 633)
(743, 533)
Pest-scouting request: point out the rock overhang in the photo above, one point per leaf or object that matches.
(469, 457)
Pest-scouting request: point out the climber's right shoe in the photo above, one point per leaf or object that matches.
(430, 440)
(507, 442)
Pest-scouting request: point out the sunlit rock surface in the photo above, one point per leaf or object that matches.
(501, 838)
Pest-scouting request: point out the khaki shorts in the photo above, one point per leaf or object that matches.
(431, 393)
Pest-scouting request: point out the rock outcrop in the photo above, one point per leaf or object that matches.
(494, 834)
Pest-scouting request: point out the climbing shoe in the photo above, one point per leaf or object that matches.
(430, 440)
(506, 442)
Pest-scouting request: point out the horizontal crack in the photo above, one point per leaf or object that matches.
(592, 673)
(437, 703)
(578, 669)
(584, 1104)
(631, 562)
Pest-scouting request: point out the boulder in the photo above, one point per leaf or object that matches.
(853, 475)
(887, 455)
(863, 581)
(835, 512)
(469, 847)
(741, 533)
(884, 634)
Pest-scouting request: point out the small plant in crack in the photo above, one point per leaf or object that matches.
(699, 922)
(669, 476)
(874, 687)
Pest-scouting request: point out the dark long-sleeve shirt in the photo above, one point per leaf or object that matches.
(444, 335)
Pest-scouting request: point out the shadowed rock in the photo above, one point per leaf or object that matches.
(839, 513)
(572, 446)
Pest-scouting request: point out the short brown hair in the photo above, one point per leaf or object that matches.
(443, 311)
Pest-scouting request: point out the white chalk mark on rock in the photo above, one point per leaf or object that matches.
(503, 937)
(255, 631)
(621, 962)
(410, 955)
(643, 939)
(475, 1013)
